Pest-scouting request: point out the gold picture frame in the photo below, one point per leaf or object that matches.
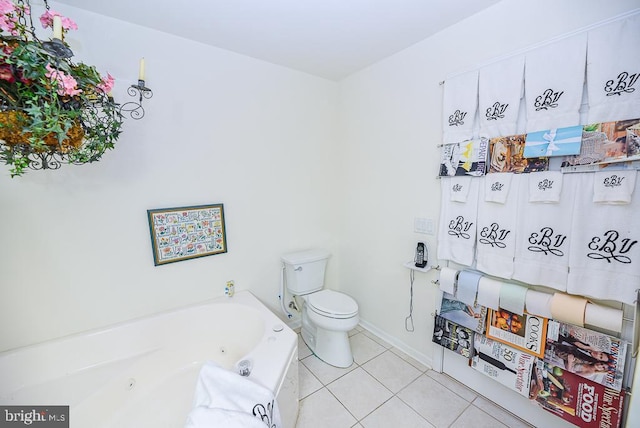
(184, 233)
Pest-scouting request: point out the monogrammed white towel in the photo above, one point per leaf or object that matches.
(543, 234)
(496, 236)
(460, 104)
(457, 230)
(614, 187)
(500, 89)
(223, 398)
(497, 187)
(545, 186)
(605, 250)
(613, 71)
(554, 85)
(460, 188)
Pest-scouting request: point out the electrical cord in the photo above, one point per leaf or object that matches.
(408, 321)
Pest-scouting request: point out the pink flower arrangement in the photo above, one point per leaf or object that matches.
(66, 84)
(9, 13)
(107, 84)
(47, 20)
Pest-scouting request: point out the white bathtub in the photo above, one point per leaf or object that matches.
(143, 373)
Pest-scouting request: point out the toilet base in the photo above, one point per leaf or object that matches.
(332, 347)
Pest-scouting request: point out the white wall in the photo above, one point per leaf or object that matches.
(298, 161)
(390, 124)
(220, 128)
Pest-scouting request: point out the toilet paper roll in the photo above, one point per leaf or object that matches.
(568, 308)
(489, 293)
(513, 297)
(447, 280)
(467, 287)
(603, 316)
(538, 303)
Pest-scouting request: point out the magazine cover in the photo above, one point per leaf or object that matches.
(466, 158)
(606, 142)
(507, 155)
(553, 142)
(452, 336)
(524, 332)
(505, 364)
(586, 353)
(472, 317)
(575, 399)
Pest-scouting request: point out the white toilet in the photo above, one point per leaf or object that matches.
(327, 315)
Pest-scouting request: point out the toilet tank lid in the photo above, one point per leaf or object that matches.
(306, 256)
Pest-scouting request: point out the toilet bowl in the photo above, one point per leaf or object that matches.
(327, 315)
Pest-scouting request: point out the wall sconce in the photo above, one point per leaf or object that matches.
(135, 109)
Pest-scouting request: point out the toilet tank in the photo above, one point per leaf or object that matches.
(304, 271)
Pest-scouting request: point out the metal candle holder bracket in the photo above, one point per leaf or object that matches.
(135, 109)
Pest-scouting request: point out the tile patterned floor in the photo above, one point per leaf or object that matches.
(386, 388)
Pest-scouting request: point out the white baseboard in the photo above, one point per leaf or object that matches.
(412, 352)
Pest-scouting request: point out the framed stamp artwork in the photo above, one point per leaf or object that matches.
(184, 233)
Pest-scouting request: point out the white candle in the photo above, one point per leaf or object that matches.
(141, 72)
(57, 27)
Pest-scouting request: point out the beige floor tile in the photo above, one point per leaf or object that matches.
(433, 401)
(322, 410)
(365, 348)
(453, 385)
(392, 371)
(308, 383)
(323, 371)
(499, 413)
(415, 363)
(303, 349)
(359, 392)
(395, 413)
(377, 339)
(473, 417)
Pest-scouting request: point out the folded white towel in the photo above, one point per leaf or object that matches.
(614, 187)
(545, 186)
(497, 223)
(605, 248)
(457, 230)
(613, 71)
(497, 186)
(554, 85)
(460, 104)
(225, 399)
(543, 235)
(500, 90)
(460, 188)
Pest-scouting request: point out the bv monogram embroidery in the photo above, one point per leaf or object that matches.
(457, 118)
(609, 247)
(545, 184)
(459, 228)
(456, 188)
(546, 242)
(496, 111)
(265, 413)
(623, 84)
(497, 187)
(548, 99)
(613, 181)
(494, 236)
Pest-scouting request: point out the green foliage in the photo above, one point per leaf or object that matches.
(81, 126)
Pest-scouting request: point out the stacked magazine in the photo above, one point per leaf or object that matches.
(575, 399)
(452, 336)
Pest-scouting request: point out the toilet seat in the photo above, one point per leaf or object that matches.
(332, 304)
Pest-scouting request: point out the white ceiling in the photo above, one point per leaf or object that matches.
(327, 38)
